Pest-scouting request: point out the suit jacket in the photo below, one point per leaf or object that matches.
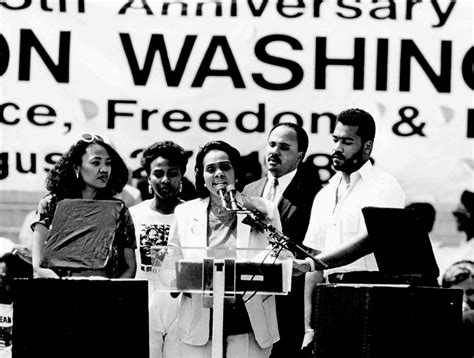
(190, 230)
(295, 211)
(295, 204)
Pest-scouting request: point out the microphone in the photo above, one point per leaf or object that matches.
(221, 190)
(233, 202)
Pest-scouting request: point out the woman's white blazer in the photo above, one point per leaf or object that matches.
(190, 230)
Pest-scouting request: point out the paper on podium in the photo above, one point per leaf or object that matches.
(82, 234)
(246, 270)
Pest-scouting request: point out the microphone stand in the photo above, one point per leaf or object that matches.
(260, 222)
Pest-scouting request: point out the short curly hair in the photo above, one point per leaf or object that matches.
(362, 119)
(62, 181)
(167, 149)
(234, 157)
(301, 135)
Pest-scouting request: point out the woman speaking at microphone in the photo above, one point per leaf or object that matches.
(250, 323)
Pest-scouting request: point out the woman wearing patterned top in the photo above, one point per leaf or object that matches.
(165, 165)
(92, 170)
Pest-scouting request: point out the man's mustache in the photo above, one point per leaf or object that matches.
(338, 156)
(274, 157)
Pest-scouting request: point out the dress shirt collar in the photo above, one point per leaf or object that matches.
(365, 172)
(283, 181)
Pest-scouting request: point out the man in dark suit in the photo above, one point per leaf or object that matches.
(294, 190)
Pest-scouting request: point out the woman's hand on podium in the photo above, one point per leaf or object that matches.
(41, 272)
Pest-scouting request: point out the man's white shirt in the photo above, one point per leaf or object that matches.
(283, 183)
(335, 220)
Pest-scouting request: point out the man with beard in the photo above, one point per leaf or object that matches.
(294, 191)
(337, 231)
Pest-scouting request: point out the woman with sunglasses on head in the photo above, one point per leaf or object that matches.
(165, 165)
(250, 323)
(91, 170)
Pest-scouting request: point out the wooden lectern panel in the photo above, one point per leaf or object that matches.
(80, 318)
(386, 321)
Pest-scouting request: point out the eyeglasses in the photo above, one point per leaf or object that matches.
(88, 137)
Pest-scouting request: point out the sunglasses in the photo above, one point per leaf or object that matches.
(88, 137)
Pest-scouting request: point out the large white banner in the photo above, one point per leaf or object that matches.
(145, 71)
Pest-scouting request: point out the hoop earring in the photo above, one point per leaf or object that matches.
(180, 187)
(150, 189)
(77, 174)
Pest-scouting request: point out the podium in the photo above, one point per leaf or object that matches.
(79, 318)
(219, 274)
(386, 321)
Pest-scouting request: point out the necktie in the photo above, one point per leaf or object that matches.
(272, 190)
